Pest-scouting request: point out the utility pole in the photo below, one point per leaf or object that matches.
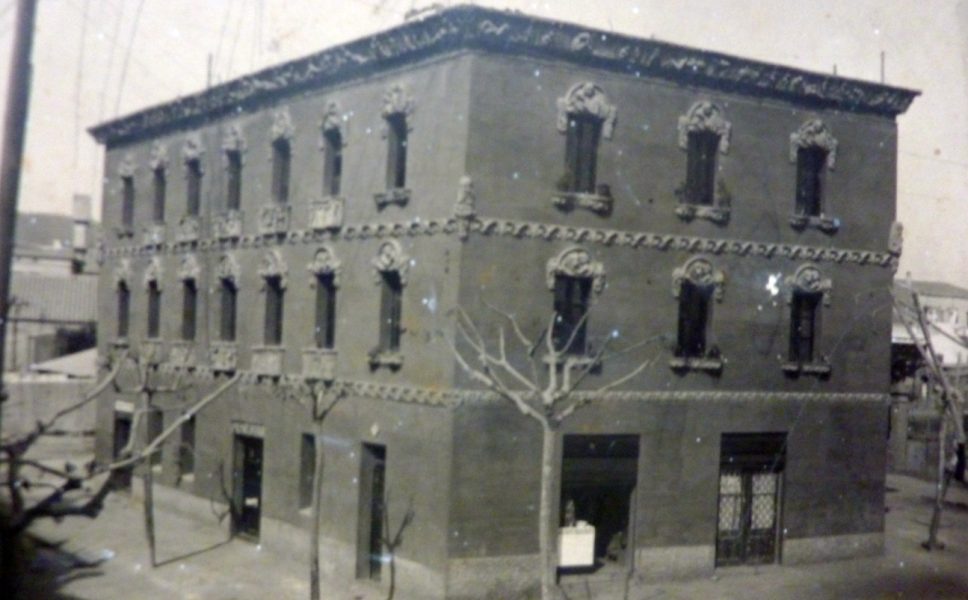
(14, 125)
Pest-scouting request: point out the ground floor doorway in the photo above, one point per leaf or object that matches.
(370, 533)
(247, 480)
(122, 434)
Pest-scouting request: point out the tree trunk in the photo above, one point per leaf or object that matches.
(548, 513)
(317, 509)
(149, 510)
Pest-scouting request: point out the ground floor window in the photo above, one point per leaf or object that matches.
(750, 490)
(372, 492)
(247, 479)
(122, 434)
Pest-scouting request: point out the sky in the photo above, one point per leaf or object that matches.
(97, 59)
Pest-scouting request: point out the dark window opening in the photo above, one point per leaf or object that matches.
(233, 197)
(189, 309)
(396, 151)
(281, 161)
(127, 202)
(571, 306)
(275, 295)
(581, 153)
(693, 320)
(159, 181)
(804, 325)
(325, 311)
(701, 167)
(186, 450)
(124, 309)
(154, 310)
(810, 168)
(307, 465)
(229, 295)
(122, 435)
(333, 165)
(247, 480)
(391, 301)
(194, 187)
(370, 533)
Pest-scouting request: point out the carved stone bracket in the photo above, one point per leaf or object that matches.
(274, 219)
(820, 368)
(325, 263)
(227, 225)
(398, 196)
(396, 101)
(182, 353)
(122, 272)
(152, 351)
(332, 120)
(227, 268)
(326, 213)
(188, 229)
(386, 359)
(814, 133)
(319, 364)
(188, 268)
(700, 272)
(600, 203)
(158, 157)
(719, 212)
(808, 279)
(576, 262)
(273, 265)
(223, 356)
(153, 273)
(391, 257)
(587, 98)
(193, 149)
(464, 209)
(820, 222)
(710, 364)
(705, 116)
(282, 129)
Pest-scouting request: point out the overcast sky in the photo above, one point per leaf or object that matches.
(96, 59)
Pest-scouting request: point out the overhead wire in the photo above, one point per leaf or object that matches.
(127, 55)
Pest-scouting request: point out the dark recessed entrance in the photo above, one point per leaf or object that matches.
(247, 478)
(122, 433)
(598, 479)
(750, 488)
(369, 559)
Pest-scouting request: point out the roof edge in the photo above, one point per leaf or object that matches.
(472, 27)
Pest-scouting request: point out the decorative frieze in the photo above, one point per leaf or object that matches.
(319, 364)
(223, 356)
(587, 98)
(326, 214)
(705, 116)
(227, 225)
(700, 272)
(576, 262)
(188, 229)
(267, 360)
(274, 219)
(808, 279)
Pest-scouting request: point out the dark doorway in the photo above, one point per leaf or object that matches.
(369, 560)
(598, 479)
(247, 477)
(750, 488)
(122, 433)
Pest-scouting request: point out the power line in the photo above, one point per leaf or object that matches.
(77, 83)
(127, 55)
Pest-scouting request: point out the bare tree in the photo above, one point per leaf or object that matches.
(951, 408)
(547, 395)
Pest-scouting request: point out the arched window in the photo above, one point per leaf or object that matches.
(703, 134)
(696, 284)
(573, 275)
(584, 117)
(153, 286)
(325, 269)
(159, 178)
(808, 291)
(273, 271)
(282, 132)
(813, 149)
(391, 265)
(227, 273)
(397, 114)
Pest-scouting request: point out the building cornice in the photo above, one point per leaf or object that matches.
(475, 28)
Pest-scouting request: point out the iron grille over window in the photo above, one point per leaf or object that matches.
(281, 161)
(694, 309)
(233, 197)
(154, 309)
(189, 309)
(701, 167)
(396, 151)
(810, 168)
(275, 295)
(193, 199)
(333, 162)
(804, 323)
(124, 309)
(127, 201)
(581, 153)
(571, 305)
(325, 311)
(229, 295)
(307, 464)
(391, 300)
(159, 181)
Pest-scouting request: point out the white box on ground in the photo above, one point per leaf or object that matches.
(576, 546)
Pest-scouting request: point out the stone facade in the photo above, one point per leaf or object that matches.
(481, 221)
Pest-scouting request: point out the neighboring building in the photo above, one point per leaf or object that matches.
(323, 218)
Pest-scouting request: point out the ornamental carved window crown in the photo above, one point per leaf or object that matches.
(282, 129)
(325, 263)
(227, 269)
(808, 279)
(333, 119)
(127, 168)
(153, 273)
(396, 101)
(814, 134)
(391, 257)
(193, 148)
(587, 98)
(272, 265)
(701, 273)
(188, 268)
(576, 262)
(122, 272)
(158, 157)
(705, 116)
(234, 141)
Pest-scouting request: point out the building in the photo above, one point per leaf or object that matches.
(322, 219)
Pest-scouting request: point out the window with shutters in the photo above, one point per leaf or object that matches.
(808, 292)
(275, 297)
(281, 165)
(124, 308)
(325, 311)
(332, 162)
(154, 310)
(189, 309)
(193, 177)
(228, 295)
(391, 304)
(571, 309)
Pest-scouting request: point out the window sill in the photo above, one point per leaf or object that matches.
(227, 225)
(708, 364)
(224, 356)
(121, 343)
(152, 350)
(570, 362)
(716, 214)
(188, 229)
(326, 213)
(600, 204)
(389, 359)
(398, 196)
(267, 360)
(819, 368)
(153, 235)
(182, 353)
(319, 363)
(274, 219)
(124, 231)
(822, 222)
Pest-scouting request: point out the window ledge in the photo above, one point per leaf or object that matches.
(709, 364)
(120, 343)
(274, 219)
(319, 363)
(188, 229)
(588, 361)
(183, 353)
(398, 196)
(598, 203)
(227, 225)
(392, 360)
(326, 213)
(123, 231)
(223, 356)
(822, 222)
(152, 350)
(267, 360)
(153, 235)
(716, 214)
(819, 368)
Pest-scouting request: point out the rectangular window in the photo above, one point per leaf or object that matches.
(275, 296)
(391, 300)
(333, 166)
(122, 434)
(693, 320)
(127, 202)
(124, 309)
(810, 164)
(156, 425)
(307, 465)
(370, 523)
(571, 305)
(281, 160)
(159, 183)
(581, 153)
(396, 151)
(804, 318)
(186, 450)
(701, 167)
(228, 296)
(233, 197)
(154, 310)
(189, 309)
(193, 199)
(325, 311)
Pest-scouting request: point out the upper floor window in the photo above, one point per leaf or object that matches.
(810, 168)
(694, 320)
(325, 311)
(701, 167)
(703, 134)
(227, 273)
(275, 304)
(813, 149)
(392, 266)
(158, 161)
(233, 145)
(804, 321)
(189, 309)
(572, 276)
(332, 162)
(154, 310)
(695, 285)
(808, 290)
(127, 201)
(397, 111)
(124, 308)
(281, 164)
(584, 116)
(193, 186)
(307, 465)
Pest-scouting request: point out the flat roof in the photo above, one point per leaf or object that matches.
(514, 33)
